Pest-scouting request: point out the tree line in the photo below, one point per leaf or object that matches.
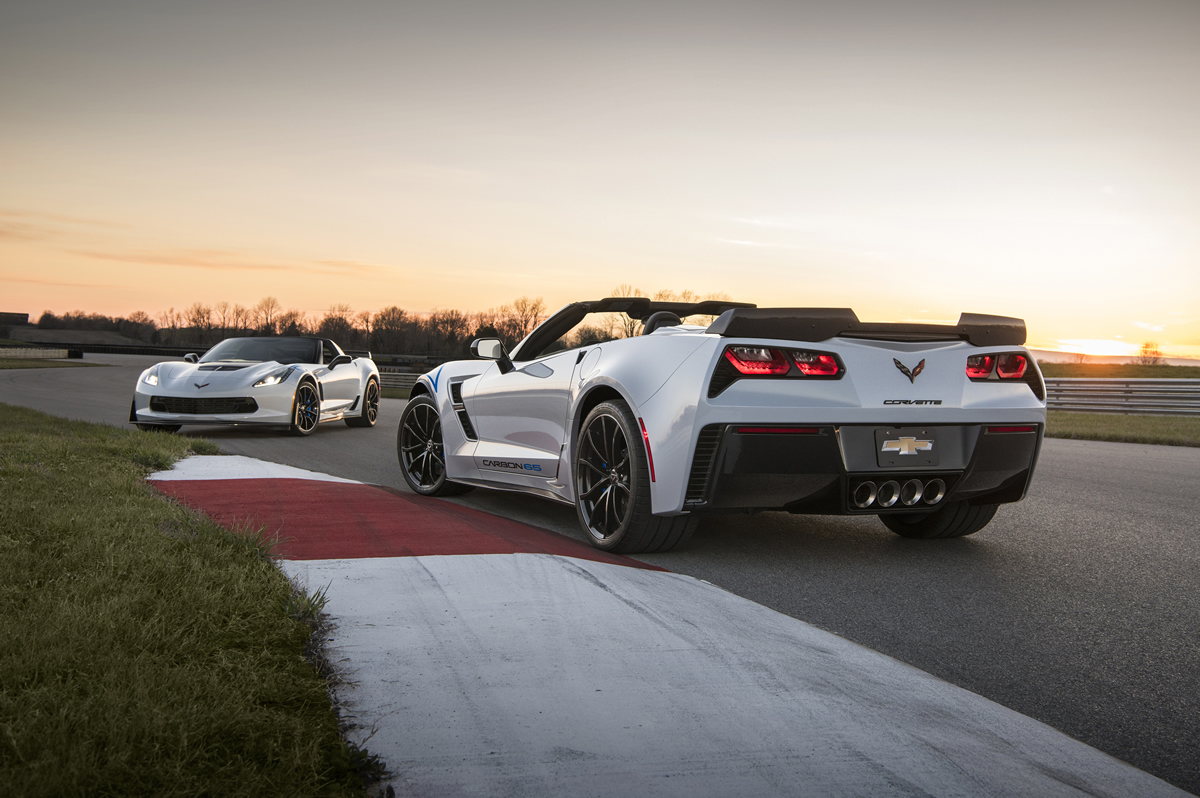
(440, 333)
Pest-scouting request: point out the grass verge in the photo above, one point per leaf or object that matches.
(1119, 371)
(394, 393)
(146, 650)
(1162, 430)
(23, 363)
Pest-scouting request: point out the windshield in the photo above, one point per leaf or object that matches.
(261, 350)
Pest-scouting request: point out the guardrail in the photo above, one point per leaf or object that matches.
(1167, 397)
(392, 379)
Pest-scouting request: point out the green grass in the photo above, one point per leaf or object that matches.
(394, 393)
(1163, 430)
(1114, 370)
(24, 363)
(145, 650)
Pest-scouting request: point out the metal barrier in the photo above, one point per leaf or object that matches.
(391, 379)
(1141, 397)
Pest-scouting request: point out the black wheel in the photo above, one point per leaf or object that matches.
(159, 427)
(370, 407)
(420, 452)
(612, 486)
(306, 409)
(955, 520)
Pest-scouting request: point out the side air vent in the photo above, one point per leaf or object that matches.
(461, 411)
(723, 376)
(706, 451)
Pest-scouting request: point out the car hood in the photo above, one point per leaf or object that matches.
(212, 376)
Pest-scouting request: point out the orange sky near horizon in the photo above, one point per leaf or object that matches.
(910, 161)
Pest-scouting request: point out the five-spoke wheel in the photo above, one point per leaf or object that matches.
(420, 451)
(370, 407)
(612, 486)
(306, 409)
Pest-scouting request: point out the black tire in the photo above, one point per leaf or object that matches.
(420, 452)
(955, 520)
(370, 407)
(159, 427)
(306, 409)
(612, 487)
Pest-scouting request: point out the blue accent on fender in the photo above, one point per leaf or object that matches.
(434, 378)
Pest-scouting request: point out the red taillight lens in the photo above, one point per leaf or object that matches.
(979, 367)
(1011, 366)
(816, 364)
(756, 360)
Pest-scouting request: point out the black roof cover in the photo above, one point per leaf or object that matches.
(820, 324)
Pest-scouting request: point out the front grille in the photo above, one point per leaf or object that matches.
(706, 450)
(203, 407)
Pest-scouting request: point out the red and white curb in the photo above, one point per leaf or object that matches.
(536, 672)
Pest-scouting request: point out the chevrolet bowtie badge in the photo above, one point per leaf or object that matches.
(907, 445)
(912, 375)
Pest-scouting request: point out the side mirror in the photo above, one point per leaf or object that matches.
(192, 357)
(340, 360)
(492, 349)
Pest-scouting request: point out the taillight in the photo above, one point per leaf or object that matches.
(979, 367)
(755, 360)
(816, 364)
(1011, 366)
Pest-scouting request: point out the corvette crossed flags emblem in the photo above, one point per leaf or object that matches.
(912, 375)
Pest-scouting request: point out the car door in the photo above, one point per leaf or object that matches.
(339, 386)
(521, 418)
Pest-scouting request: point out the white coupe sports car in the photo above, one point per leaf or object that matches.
(930, 427)
(289, 382)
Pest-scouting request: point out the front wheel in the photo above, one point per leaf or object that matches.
(955, 520)
(306, 409)
(420, 451)
(612, 487)
(370, 407)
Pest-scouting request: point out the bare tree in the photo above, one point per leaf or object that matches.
(1150, 355)
(528, 313)
(239, 319)
(336, 323)
(265, 314)
(293, 322)
(629, 327)
(221, 314)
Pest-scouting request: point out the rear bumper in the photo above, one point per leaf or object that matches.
(835, 469)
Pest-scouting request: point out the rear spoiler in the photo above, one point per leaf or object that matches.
(820, 324)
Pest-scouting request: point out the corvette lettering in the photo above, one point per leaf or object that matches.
(514, 466)
(912, 401)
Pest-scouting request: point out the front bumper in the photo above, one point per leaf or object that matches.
(835, 469)
(219, 408)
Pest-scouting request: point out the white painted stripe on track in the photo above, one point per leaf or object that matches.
(203, 467)
(539, 675)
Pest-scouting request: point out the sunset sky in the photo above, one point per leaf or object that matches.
(910, 160)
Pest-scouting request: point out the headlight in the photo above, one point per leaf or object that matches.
(274, 379)
(151, 377)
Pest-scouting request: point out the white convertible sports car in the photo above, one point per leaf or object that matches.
(289, 382)
(930, 427)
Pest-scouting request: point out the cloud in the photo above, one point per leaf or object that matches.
(36, 226)
(229, 261)
(58, 217)
(1150, 327)
(58, 283)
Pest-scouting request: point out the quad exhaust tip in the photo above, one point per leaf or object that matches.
(912, 493)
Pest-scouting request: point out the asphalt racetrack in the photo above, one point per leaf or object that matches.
(1079, 607)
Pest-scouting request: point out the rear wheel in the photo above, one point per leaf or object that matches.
(420, 452)
(955, 520)
(370, 407)
(612, 487)
(306, 409)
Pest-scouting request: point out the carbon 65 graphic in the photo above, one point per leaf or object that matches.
(930, 427)
(288, 382)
